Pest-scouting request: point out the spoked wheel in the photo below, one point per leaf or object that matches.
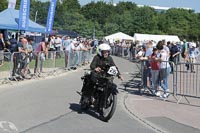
(110, 107)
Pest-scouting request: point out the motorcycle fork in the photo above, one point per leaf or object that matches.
(103, 98)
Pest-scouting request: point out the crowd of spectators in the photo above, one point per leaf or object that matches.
(159, 61)
(24, 49)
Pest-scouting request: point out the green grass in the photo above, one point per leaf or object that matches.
(5, 67)
(47, 64)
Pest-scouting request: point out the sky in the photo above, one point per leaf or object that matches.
(193, 4)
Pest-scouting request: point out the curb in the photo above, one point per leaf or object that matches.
(141, 120)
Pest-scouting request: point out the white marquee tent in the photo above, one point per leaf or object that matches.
(147, 37)
(119, 36)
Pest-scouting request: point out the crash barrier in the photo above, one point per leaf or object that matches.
(187, 80)
(182, 81)
(5, 67)
(19, 66)
(124, 52)
(78, 58)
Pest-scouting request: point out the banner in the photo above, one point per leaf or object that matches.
(50, 18)
(11, 4)
(24, 14)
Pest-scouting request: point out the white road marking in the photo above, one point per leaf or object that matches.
(7, 126)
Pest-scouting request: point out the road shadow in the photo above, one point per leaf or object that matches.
(133, 85)
(133, 82)
(77, 108)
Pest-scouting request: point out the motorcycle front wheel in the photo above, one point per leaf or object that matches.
(109, 108)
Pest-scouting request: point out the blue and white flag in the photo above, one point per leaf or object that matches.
(50, 18)
(24, 14)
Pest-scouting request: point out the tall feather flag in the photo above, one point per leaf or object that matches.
(50, 18)
(12, 4)
(24, 14)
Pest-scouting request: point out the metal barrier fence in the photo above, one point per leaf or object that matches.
(183, 81)
(5, 67)
(187, 80)
(124, 52)
(39, 64)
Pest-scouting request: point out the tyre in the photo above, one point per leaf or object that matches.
(109, 108)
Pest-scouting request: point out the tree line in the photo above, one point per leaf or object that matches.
(101, 19)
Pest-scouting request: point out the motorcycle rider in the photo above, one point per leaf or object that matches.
(99, 62)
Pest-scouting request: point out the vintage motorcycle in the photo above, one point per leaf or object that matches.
(103, 99)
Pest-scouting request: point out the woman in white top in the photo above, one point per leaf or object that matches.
(165, 69)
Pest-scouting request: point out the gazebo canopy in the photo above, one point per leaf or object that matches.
(9, 20)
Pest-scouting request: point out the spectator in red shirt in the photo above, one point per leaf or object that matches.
(155, 66)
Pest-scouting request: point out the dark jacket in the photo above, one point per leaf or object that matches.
(101, 62)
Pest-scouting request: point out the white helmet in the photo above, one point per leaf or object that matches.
(103, 47)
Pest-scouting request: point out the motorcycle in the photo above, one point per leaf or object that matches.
(103, 99)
